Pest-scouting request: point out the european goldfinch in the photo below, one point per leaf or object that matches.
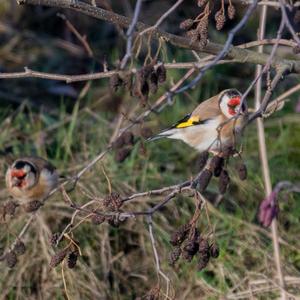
(211, 126)
(31, 178)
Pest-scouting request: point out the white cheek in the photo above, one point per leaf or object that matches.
(224, 107)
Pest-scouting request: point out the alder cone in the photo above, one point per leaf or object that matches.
(72, 259)
(204, 180)
(119, 142)
(202, 160)
(217, 164)
(174, 255)
(223, 181)
(33, 205)
(122, 154)
(113, 201)
(161, 73)
(57, 258)
(54, 238)
(10, 208)
(128, 138)
(97, 219)
(203, 261)
(153, 82)
(11, 259)
(214, 250)
(114, 82)
(19, 248)
(180, 235)
(203, 246)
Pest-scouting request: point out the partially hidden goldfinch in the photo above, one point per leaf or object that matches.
(211, 126)
(31, 178)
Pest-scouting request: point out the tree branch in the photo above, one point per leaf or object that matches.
(240, 55)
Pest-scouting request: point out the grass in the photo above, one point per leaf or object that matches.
(118, 263)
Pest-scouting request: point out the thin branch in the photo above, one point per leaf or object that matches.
(129, 33)
(156, 257)
(224, 50)
(81, 38)
(288, 23)
(240, 55)
(163, 17)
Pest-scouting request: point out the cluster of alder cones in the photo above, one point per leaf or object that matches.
(10, 207)
(217, 166)
(145, 80)
(111, 203)
(123, 145)
(11, 257)
(197, 28)
(187, 243)
(70, 253)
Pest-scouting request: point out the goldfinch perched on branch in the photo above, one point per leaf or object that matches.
(211, 126)
(31, 178)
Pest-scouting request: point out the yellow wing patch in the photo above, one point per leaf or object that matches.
(190, 122)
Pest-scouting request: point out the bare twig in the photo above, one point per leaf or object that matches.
(129, 33)
(163, 17)
(224, 51)
(81, 38)
(156, 257)
(288, 23)
(241, 55)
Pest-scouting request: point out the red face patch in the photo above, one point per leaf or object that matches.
(18, 173)
(232, 104)
(234, 101)
(18, 178)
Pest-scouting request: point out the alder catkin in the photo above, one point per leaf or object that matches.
(186, 24)
(231, 12)
(220, 19)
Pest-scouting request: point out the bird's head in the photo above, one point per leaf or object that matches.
(230, 103)
(23, 174)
